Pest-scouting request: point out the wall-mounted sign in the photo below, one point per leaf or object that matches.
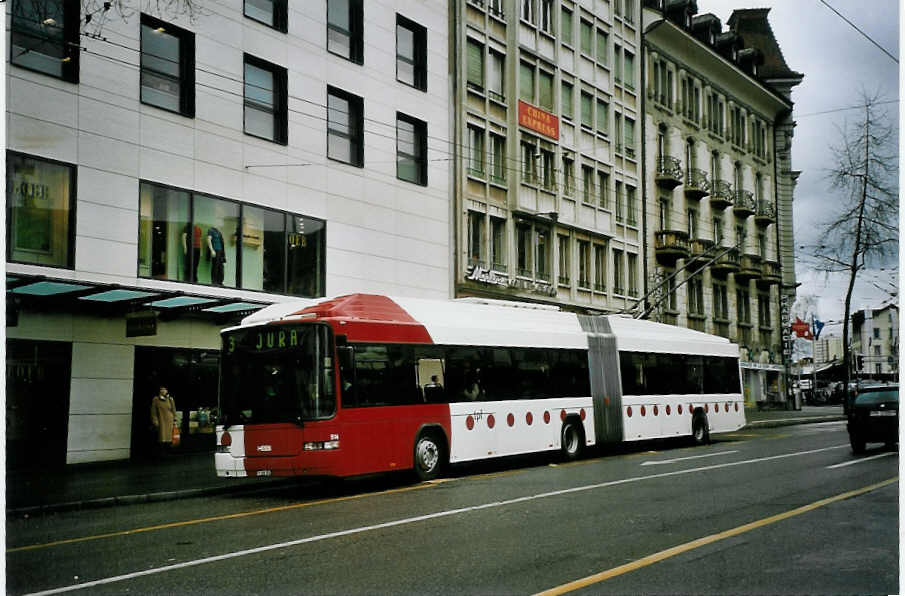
(141, 323)
(487, 276)
(538, 120)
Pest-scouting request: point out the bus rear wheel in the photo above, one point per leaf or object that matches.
(572, 440)
(700, 431)
(430, 456)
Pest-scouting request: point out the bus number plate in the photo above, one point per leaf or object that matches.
(264, 472)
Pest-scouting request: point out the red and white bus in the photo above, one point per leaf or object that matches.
(364, 383)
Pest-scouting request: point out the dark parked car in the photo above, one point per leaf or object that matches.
(873, 417)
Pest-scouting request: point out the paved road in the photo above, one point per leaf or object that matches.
(785, 510)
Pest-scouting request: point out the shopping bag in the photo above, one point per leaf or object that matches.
(177, 435)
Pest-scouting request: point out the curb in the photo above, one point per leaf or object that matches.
(793, 421)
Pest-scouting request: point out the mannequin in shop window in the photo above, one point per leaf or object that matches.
(216, 254)
(191, 260)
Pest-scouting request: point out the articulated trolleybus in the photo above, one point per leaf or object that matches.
(363, 383)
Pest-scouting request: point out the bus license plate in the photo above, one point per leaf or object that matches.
(883, 413)
(264, 472)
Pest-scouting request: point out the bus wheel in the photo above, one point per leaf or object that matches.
(429, 456)
(700, 432)
(572, 439)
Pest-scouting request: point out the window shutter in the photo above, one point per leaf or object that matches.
(475, 64)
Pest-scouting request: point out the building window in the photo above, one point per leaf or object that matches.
(762, 245)
(266, 113)
(696, 296)
(194, 238)
(565, 27)
(587, 184)
(498, 244)
(617, 55)
(345, 23)
(603, 117)
(167, 66)
(618, 275)
(586, 31)
(720, 302)
(566, 107)
(877, 333)
(584, 264)
(528, 10)
(542, 247)
(599, 268)
(664, 214)
(629, 72)
(692, 224)
(741, 237)
(565, 265)
(496, 83)
(629, 137)
(763, 307)
(40, 199)
(411, 149)
(603, 190)
(45, 37)
(602, 47)
(272, 13)
(629, 15)
(546, 176)
(526, 82)
(568, 176)
(498, 158)
(717, 231)
(587, 111)
(345, 127)
(529, 163)
(545, 90)
(524, 250)
(474, 64)
(743, 306)
(630, 206)
(619, 200)
(617, 126)
(475, 151)
(411, 53)
(672, 304)
(632, 275)
(546, 16)
(475, 238)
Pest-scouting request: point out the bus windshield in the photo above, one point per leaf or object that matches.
(277, 374)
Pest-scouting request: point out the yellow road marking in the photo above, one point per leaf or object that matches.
(683, 548)
(204, 520)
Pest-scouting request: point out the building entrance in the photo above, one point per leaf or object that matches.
(37, 402)
(191, 376)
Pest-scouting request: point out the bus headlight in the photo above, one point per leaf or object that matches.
(320, 445)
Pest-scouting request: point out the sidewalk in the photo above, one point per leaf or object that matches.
(192, 475)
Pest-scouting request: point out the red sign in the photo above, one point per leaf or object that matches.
(802, 329)
(538, 120)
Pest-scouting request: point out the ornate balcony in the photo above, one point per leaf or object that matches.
(765, 214)
(726, 264)
(669, 172)
(701, 249)
(749, 268)
(721, 195)
(696, 184)
(770, 274)
(745, 204)
(671, 245)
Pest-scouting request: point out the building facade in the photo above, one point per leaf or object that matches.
(547, 185)
(718, 183)
(875, 342)
(828, 349)
(167, 175)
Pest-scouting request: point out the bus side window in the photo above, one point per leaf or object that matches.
(347, 375)
(431, 380)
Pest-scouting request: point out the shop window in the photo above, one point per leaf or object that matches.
(411, 53)
(163, 219)
(345, 127)
(411, 149)
(266, 113)
(40, 196)
(345, 20)
(264, 245)
(306, 260)
(272, 13)
(167, 66)
(216, 222)
(45, 37)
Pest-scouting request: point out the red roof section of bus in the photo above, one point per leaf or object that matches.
(372, 318)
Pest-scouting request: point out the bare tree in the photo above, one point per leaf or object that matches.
(95, 13)
(864, 230)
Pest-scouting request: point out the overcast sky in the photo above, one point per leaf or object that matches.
(837, 62)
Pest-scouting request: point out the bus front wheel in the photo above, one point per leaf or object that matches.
(572, 440)
(700, 432)
(430, 455)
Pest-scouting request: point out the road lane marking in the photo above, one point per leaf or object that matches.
(204, 520)
(678, 459)
(688, 546)
(859, 460)
(419, 518)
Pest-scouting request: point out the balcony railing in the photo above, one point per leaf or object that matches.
(727, 263)
(749, 268)
(671, 245)
(765, 214)
(701, 249)
(770, 274)
(696, 184)
(721, 195)
(669, 172)
(745, 204)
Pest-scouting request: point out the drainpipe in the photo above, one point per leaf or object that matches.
(644, 168)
